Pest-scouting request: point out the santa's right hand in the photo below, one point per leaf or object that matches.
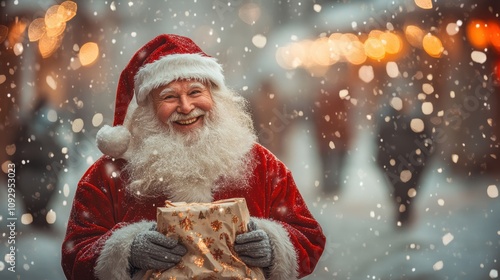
(153, 250)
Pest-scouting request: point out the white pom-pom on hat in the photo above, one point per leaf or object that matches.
(113, 140)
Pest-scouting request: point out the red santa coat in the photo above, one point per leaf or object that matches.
(105, 218)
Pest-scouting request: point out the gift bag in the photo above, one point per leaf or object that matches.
(208, 231)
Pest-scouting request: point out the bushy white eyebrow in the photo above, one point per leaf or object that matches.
(196, 84)
(169, 90)
(166, 91)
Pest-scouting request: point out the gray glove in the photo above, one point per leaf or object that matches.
(153, 250)
(254, 247)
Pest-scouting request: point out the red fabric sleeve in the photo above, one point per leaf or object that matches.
(92, 220)
(288, 207)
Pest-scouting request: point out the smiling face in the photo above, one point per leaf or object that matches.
(167, 157)
(182, 104)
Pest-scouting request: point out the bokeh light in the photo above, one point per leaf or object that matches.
(374, 48)
(414, 35)
(249, 13)
(16, 33)
(67, 10)
(424, 4)
(36, 30)
(494, 34)
(391, 42)
(356, 49)
(48, 45)
(432, 45)
(357, 53)
(320, 52)
(48, 31)
(88, 53)
(477, 33)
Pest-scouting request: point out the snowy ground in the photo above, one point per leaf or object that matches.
(456, 234)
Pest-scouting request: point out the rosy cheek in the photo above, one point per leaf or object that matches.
(207, 104)
(163, 113)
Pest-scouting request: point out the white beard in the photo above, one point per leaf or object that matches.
(191, 167)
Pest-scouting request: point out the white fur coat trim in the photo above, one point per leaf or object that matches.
(113, 261)
(285, 258)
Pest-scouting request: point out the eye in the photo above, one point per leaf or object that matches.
(168, 97)
(194, 92)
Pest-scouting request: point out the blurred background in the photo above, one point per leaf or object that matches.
(386, 111)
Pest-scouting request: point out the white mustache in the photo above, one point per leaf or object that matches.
(176, 116)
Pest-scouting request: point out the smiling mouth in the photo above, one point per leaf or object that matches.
(188, 121)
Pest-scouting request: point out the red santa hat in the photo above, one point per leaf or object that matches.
(162, 60)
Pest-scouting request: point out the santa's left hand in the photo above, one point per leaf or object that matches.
(254, 247)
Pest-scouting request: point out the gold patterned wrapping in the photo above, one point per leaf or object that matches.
(208, 231)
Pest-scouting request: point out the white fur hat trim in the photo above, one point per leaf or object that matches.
(173, 67)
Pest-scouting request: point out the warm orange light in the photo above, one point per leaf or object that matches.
(356, 53)
(303, 52)
(36, 29)
(477, 33)
(424, 4)
(354, 48)
(344, 42)
(16, 33)
(297, 55)
(320, 52)
(88, 53)
(375, 33)
(67, 10)
(335, 53)
(49, 30)
(52, 18)
(494, 34)
(334, 42)
(374, 48)
(56, 30)
(391, 42)
(48, 45)
(293, 55)
(432, 45)
(414, 35)
(335, 36)
(58, 15)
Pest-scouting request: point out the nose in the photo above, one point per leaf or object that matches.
(185, 105)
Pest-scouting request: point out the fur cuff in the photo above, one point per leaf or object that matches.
(113, 259)
(285, 259)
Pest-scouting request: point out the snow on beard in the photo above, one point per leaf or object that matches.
(189, 167)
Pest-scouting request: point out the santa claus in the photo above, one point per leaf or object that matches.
(184, 137)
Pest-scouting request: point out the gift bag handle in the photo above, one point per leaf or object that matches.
(168, 203)
(235, 199)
